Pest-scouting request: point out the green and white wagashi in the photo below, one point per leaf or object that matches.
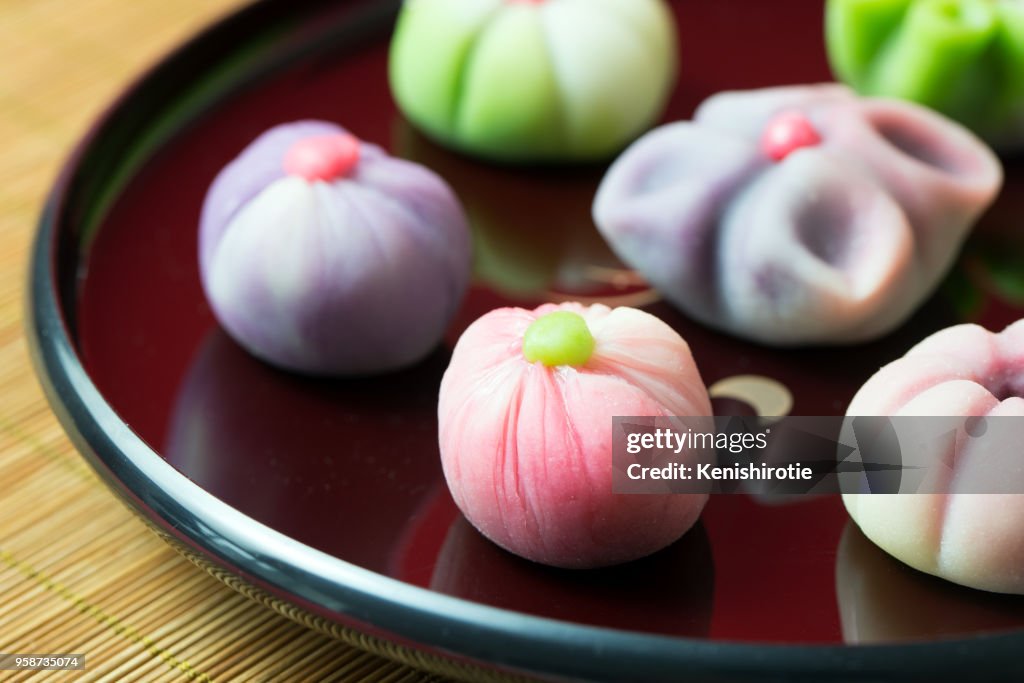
(534, 80)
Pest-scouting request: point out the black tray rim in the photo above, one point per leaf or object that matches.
(351, 595)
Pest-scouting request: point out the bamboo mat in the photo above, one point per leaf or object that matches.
(78, 572)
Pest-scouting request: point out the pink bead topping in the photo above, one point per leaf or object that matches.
(326, 157)
(786, 133)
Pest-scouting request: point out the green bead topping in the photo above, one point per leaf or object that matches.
(559, 338)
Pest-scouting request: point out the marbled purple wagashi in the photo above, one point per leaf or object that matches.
(798, 215)
(322, 254)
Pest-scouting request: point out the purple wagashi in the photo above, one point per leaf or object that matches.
(798, 215)
(322, 254)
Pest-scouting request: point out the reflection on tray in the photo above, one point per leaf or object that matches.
(305, 456)
(670, 592)
(881, 600)
(531, 241)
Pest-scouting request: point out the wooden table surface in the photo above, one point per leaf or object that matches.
(78, 572)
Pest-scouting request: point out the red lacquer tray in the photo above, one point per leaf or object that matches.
(327, 495)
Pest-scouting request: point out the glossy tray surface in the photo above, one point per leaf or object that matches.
(350, 468)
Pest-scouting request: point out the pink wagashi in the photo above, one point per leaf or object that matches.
(967, 531)
(525, 419)
(798, 215)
